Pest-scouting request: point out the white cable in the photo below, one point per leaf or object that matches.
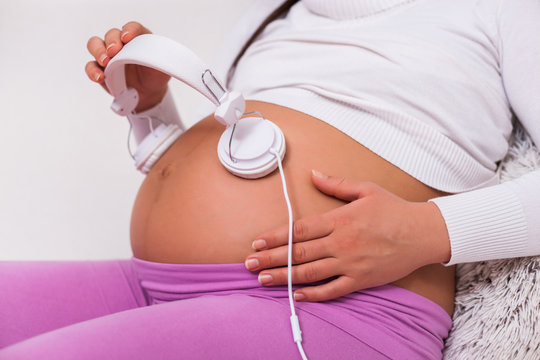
(295, 325)
(129, 139)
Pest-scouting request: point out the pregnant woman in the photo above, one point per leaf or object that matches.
(400, 102)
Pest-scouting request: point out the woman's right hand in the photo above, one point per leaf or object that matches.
(151, 84)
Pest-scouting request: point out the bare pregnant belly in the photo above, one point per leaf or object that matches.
(190, 209)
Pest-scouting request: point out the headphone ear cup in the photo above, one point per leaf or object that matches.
(255, 143)
(154, 145)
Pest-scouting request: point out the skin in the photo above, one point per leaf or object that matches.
(375, 239)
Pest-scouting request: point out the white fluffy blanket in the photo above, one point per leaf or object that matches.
(497, 313)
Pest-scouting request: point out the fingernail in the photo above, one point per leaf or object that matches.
(265, 278)
(97, 76)
(252, 264)
(110, 46)
(298, 296)
(102, 59)
(319, 174)
(124, 35)
(259, 244)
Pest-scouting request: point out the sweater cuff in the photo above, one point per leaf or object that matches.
(485, 224)
(164, 112)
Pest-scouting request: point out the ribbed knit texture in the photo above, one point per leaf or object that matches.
(491, 216)
(497, 222)
(350, 9)
(526, 189)
(390, 84)
(414, 147)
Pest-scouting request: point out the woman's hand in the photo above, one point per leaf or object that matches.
(149, 83)
(376, 239)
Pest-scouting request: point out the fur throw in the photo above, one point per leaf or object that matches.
(497, 313)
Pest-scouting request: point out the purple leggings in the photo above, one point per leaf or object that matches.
(135, 309)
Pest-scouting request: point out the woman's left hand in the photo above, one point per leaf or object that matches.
(375, 239)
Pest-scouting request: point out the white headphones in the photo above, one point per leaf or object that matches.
(247, 148)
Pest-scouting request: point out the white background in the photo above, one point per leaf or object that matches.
(67, 183)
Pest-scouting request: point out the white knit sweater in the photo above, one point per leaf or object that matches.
(428, 85)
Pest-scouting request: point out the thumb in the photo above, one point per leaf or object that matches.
(341, 188)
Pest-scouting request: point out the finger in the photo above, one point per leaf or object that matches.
(309, 228)
(341, 286)
(301, 274)
(94, 72)
(342, 188)
(301, 253)
(131, 30)
(113, 44)
(96, 47)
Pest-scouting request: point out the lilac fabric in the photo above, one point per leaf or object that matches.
(135, 309)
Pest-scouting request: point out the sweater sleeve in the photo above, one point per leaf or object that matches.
(164, 112)
(496, 222)
(503, 221)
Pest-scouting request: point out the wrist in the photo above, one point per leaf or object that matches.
(433, 233)
(440, 233)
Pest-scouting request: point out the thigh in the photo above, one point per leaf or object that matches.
(207, 327)
(40, 296)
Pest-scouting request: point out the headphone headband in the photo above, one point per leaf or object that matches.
(162, 54)
(255, 158)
